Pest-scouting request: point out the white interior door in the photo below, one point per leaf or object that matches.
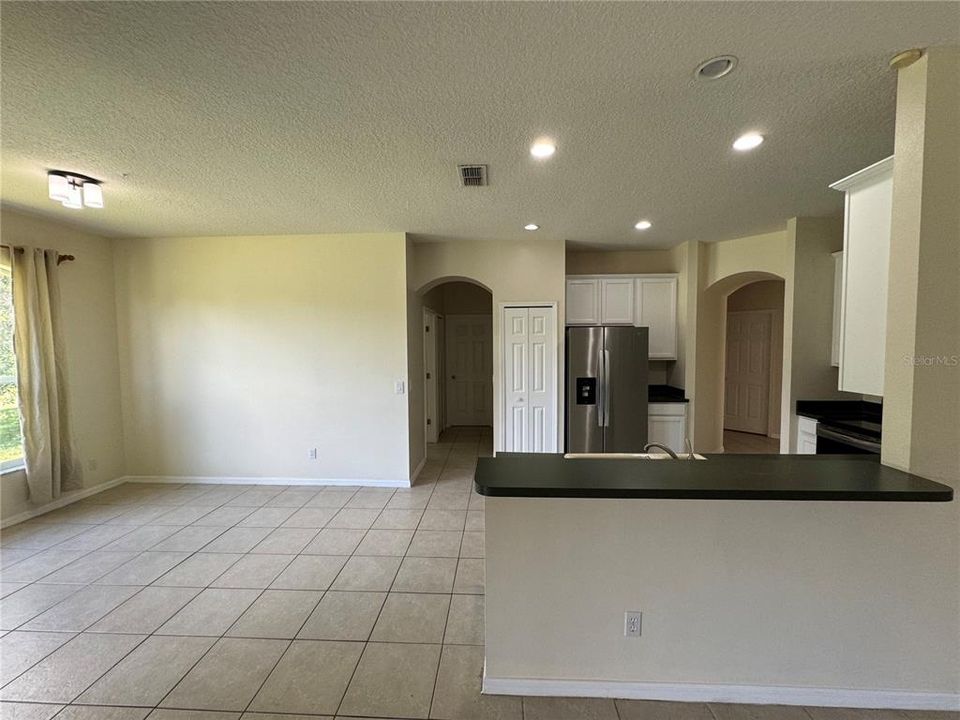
(530, 379)
(747, 382)
(431, 396)
(469, 370)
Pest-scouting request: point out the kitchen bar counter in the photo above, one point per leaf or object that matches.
(719, 477)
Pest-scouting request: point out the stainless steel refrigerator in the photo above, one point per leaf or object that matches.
(606, 389)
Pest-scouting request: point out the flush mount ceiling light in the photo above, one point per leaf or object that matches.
(715, 68)
(747, 142)
(531, 227)
(542, 149)
(74, 191)
(643, 225)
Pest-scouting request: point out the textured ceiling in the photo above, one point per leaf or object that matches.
(264, 118)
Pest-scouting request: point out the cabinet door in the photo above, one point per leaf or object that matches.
(837, 301)
(583, 301)
(866, 259)
(668, 430)
(806, 436)
(616, 301)
(656, 308)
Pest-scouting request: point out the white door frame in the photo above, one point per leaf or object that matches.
(500, 418)
(431, 395)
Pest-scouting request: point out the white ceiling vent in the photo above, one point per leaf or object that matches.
(473, 175)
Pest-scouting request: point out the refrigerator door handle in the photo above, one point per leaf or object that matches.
(606, 388)
(601, 384)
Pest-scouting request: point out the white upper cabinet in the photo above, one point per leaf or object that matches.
(616, 301)
(866, 259)
(639, 300)
(583, 301)
(656, 308)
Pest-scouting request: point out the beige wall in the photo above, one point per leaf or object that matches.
(800, 256)
(808, 320)
(239, 354)
(514, 272)
(833, 595)
(766, 295)
(763, 295)
(90, 335)
(766, 252)
(922, 374)
(588, 262)
(463, 298)
(724, 267)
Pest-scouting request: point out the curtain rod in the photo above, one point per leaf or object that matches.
(60, 258)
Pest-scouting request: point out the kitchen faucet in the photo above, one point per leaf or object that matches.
(669, 451)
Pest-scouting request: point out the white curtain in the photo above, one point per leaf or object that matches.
(41, 377)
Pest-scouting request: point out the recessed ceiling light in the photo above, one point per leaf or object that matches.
(747, 142)
(644, 225)
(531, 226)
(715, 68)
(542, 149)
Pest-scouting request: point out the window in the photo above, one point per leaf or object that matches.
(11, 441)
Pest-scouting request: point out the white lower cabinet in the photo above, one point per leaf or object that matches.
(806, 436)
(667, 424)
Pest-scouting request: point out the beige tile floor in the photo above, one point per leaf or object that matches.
(212, 602)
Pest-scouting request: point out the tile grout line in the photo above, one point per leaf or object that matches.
(366, 642)
(446, 621)
(221, 637)
(143, 500)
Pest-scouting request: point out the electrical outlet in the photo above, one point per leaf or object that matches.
(91, 464)
(312, 453)
(399, 387)
(632, 623)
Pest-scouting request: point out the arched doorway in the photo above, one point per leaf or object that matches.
(713, 409)
(458, 361)
(753, 368)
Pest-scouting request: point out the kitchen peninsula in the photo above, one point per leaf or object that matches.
(759, 579)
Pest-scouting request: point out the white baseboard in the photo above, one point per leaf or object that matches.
(244, 480)
(66, 499)
(747, 694)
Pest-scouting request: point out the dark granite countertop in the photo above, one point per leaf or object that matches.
(839, 410)
(719, 477)
(665, 394)
(858, 417)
